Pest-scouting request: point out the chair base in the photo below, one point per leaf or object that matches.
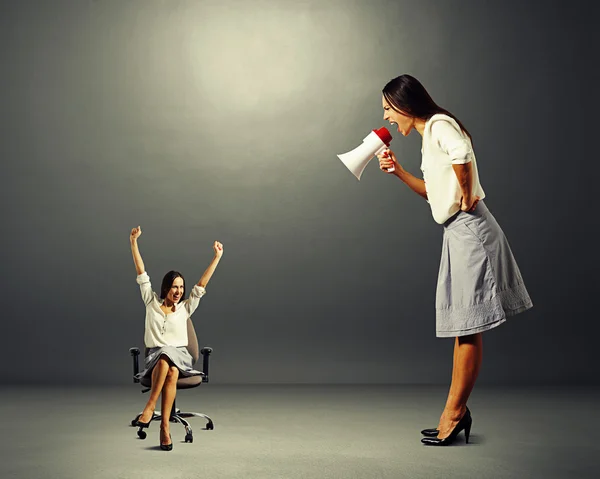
(176, 417)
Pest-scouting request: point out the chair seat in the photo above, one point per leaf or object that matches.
(182, 383)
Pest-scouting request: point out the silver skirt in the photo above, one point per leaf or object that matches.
(479, 282)
(179, 356)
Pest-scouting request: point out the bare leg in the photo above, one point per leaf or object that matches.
(168, 396)
(159, 374)
(452, 383)
(468, 354)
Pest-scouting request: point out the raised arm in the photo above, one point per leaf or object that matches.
(142, 278)
(199, 288)
(218, 249)
(135, 251)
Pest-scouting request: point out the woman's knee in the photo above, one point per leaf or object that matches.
(164, 360)
(470, 339)
(173, 372)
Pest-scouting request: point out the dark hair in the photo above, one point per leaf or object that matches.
(406, 94)
(167, 282)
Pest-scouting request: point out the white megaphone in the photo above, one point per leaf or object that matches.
(375, 142)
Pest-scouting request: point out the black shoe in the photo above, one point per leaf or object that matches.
(141, 424)
(464, 424)
(433, 432)
(167, 447)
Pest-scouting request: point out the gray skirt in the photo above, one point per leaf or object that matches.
(479, 282)
(179, 356)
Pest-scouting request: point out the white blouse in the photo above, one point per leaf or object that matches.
(444, 145)
(166, 329)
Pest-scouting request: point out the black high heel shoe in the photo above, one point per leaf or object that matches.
(141, 424)
(464, 424)
(433, 432)
(167, 447)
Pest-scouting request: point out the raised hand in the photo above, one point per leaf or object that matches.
(135, 251)
(218, 249)
(135, 234)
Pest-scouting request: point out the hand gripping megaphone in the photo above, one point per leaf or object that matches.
(374, 143)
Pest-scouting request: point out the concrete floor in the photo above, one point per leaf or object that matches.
(294, 432)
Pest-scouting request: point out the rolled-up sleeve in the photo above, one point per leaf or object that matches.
(145, 287)
(195, 295)
(452, 142)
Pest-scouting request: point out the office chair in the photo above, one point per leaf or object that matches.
(182, 383)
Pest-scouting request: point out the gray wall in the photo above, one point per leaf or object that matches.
(221, 120)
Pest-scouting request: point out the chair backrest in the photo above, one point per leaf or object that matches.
(192, 345)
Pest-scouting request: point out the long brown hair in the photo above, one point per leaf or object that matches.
(406, 94)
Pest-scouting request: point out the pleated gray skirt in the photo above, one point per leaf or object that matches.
(179, 356)
(479, 282)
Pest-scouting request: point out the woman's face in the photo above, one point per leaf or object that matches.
(176, 291)
(404, 122)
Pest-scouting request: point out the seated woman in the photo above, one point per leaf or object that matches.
(166, 335)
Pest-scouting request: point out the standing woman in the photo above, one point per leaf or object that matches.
(166, 335)
(479, 283)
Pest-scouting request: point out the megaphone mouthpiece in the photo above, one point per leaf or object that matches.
(384, 135)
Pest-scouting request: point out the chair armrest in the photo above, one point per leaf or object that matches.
(206, 351)
(135, 354)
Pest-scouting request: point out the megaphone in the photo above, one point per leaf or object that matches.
(373, 144)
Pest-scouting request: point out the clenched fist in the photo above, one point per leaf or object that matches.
(218, 249)
(388, 162)
(135, 234)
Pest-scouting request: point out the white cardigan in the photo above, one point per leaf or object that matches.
(445, 144)
(166, 329)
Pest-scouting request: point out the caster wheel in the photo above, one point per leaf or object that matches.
(189, 438)
(210, 426)
(141, 434)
